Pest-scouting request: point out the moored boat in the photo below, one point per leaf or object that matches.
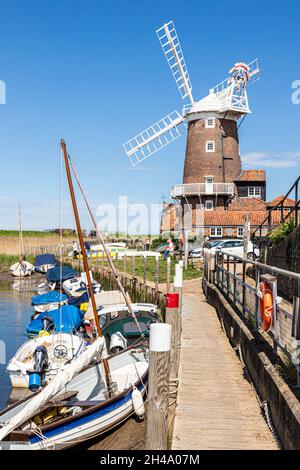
(44, 262)
(48, 301)
(45, 354)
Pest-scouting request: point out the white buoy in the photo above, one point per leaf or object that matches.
(138, 403)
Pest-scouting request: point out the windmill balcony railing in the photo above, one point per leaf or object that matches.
(194, 189)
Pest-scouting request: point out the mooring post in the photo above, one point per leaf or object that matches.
(158, 393)
(168, 273)
(145, 269)
(117, 261)
(124, 263)
(133, 265)
(172, 319)
(178, 284)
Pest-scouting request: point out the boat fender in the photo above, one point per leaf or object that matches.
(138, 403)
(117, 342)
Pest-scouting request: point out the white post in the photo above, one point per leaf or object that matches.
(158, 394)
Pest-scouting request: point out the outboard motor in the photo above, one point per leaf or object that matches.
(117, 343)
(41, 364)
(48, 324)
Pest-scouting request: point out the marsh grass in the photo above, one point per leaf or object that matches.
(190, 273)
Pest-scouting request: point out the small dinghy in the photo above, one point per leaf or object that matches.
(76, 286)
(21, 269)
(49, 301)
(44, 356)
(44, 262)
(77, 404)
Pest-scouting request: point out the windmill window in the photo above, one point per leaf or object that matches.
(210, 123)
(210, 146)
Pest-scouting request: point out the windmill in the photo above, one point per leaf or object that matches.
(229, 95)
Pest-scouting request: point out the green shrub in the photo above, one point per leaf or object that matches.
(281, 232)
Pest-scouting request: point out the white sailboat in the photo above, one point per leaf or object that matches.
(22, 268)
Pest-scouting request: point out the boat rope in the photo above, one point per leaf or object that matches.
(263, 404)
(141, 380)
(108, 257)
(45, 443)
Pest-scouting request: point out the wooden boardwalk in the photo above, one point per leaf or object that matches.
(217, 408)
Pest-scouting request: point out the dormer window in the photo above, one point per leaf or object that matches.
(210, 146)
(254, 191)
(210, 123)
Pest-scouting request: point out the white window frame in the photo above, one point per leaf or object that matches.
(209, 178)
(207, 144)
(216, 231)
(210, 122)
(240, 232)
(212, 205)
(256, 191)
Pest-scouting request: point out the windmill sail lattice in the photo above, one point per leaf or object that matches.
(153, 138)
(171, 47)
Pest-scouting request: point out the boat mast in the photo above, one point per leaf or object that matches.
(84, 257)
(20, 236)
(109, 259)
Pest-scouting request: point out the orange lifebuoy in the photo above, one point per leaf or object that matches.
(266, 306)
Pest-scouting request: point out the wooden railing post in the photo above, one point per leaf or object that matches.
(158, 393)
(145, 269)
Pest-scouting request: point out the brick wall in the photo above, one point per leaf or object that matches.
(199, 163)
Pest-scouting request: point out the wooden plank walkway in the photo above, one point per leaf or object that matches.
(217, 408)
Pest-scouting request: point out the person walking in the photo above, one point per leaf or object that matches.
(170, 248)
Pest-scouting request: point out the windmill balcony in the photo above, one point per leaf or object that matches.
(195, 189)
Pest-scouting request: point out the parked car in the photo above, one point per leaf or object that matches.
(236, 247)
(196, 253)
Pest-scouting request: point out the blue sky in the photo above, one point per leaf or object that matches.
(93, 73)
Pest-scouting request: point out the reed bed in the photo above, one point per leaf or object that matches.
(9, 245)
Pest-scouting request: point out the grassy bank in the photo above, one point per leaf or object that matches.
(190, 273)
(7, 260)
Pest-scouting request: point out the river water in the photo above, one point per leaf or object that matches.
(15, 313)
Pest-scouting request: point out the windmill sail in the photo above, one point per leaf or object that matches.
(170, 44)
(153, 138)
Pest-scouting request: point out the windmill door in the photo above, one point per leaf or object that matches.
(209, 185)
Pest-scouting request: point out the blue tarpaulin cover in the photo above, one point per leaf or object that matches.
(71, 318)
(79, 300)
(46, 258)
(47, 298)
(60, 274)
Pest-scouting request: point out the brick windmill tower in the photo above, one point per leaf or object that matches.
(212, 159)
